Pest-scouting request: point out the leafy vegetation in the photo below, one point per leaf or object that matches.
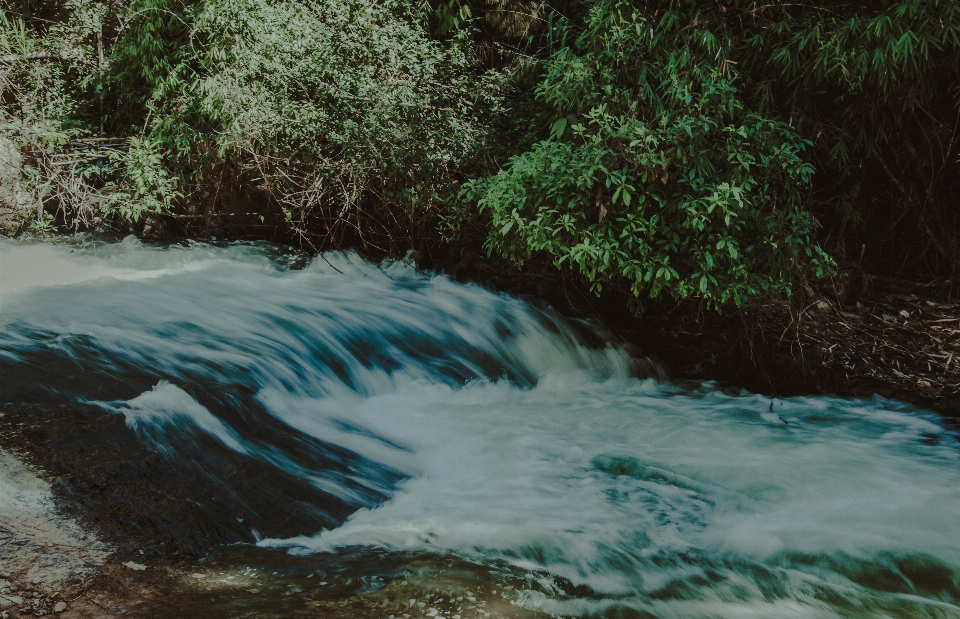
(876, 86)
(347, 117)
(47, 161)
(334, 112)
(655, 172)
(687, 147)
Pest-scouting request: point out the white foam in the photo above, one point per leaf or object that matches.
(169, 405)
(507, 473)
(26, 266)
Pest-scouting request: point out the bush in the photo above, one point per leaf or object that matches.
(665, 145)
(344, 114)
(875, 86)
(53, 166)
(655, 174)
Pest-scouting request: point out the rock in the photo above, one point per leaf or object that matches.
(41, 549)
(10, 600)
(139, 567)
(59, 607)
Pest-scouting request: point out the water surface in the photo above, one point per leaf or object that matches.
(404, 415)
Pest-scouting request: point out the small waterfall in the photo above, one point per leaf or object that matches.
(407, 412)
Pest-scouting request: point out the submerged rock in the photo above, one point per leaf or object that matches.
(40, 550)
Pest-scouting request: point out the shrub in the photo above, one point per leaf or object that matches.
(53, 164)
(656, 173)
(344, 114)
(876, 87)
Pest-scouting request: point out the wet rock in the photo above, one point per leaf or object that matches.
(38, 546)
(138, 498)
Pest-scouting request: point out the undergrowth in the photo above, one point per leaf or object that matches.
(715, 151)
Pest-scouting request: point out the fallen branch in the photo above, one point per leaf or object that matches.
(11, 58)
(208, 215)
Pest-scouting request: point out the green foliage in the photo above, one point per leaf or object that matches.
(876, 88)
(655, 172)
(662, 145)
(844, 63)
(46, 75)
(154, 39)
(345, 111)
(147, 185)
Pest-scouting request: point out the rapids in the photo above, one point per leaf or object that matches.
(402, 411)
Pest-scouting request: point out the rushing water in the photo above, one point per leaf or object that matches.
(439, 419)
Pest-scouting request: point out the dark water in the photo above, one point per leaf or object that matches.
(424, 436)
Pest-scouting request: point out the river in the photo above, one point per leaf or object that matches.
(406, 417)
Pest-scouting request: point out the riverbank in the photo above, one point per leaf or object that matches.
(857, 335)
(892, 343)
